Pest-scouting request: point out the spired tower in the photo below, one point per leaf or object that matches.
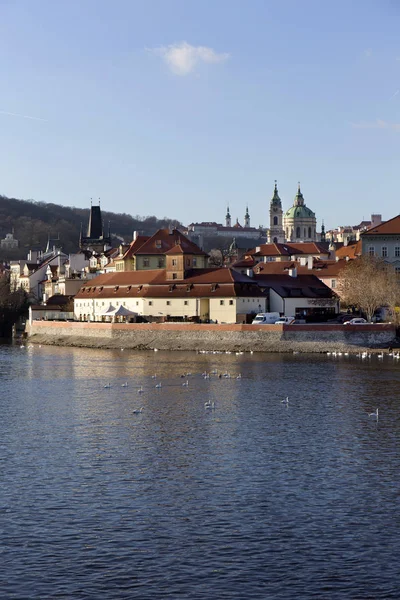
(276, 233)
(247, 218)
(228, 220)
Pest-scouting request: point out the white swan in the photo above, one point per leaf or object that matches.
(137, 410)
(374, 414)
(108, 385)
(125, 384)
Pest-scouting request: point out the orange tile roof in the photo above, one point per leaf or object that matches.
(352, 250)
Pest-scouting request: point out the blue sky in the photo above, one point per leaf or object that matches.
(178, 107)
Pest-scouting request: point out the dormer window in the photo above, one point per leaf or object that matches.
(116, 288)
(139, 288)
(214, 287)
(129, 288)
(189, 287)
(172, 287)
(158, 244)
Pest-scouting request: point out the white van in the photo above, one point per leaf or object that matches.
(265, 318)
(284, 321)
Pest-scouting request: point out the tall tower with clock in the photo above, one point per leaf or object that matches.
(276, 233)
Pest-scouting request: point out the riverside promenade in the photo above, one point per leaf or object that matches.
(218, 337)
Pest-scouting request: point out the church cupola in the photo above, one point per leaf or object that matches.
(228, 220)
(298, 199)
(247, 218)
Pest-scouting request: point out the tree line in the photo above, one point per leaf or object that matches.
(33, 222)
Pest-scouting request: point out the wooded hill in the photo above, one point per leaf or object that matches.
(33, 222)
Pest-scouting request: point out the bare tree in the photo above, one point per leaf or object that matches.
(369, 283)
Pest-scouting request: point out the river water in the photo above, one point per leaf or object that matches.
(253, 498)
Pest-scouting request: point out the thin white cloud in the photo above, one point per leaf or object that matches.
(183, 58)
(394, 95)
(378, 124)
(11, 114)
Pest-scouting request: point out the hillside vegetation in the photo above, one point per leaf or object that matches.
(32, 223)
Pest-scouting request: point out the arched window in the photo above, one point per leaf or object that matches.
(309, 232)
(275, 220)
(275, 240)
(298, 232)
(305, 232)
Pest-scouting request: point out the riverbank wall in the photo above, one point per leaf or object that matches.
(188, 336)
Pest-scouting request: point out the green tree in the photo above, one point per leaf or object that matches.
(13, 304)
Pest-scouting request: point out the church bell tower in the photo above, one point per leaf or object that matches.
(276, 233)
(228, 220)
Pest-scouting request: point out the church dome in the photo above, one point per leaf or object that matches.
(299, 212)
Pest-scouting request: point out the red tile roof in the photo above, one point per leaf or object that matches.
(302, 286)
(135, 245)
(164, 239)
(200, 282)
(290, 249)
(388, 227)
(352, 250)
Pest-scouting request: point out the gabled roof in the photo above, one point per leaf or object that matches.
(164, 239)
(391, 227)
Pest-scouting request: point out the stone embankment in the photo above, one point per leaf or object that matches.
(186, 336)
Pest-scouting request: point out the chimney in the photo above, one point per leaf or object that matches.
(303, 261)
(292, 272)
(310, 262)
(135, 234)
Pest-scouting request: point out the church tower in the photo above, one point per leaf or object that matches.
(228, 220)
(247, 218)
(276, 233)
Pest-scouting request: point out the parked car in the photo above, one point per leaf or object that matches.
(265, 318)
(357, 321)
(284, 321)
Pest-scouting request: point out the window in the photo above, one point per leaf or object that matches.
(371, 250)
(146, 262)
(222, 302)
(298, 232)
(333, 283)
(168, 303)
(185, 302)
(158, 243)
(384, 251)
(230, 302)
(397, 269)
(275, 220)
(397, 251)
(160, 263)
(174, 262)
(188, 262)
(305, 232)
(150, 302)
(174, 275)
(309, 232)
(194, 261)
(137, 303)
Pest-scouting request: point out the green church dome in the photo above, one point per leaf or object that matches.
(299, 212)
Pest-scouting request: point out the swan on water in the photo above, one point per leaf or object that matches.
(374, 414)
(137, 410)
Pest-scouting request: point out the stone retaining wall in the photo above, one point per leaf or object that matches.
(187, 336)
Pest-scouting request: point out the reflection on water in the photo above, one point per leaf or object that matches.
(254, 499)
